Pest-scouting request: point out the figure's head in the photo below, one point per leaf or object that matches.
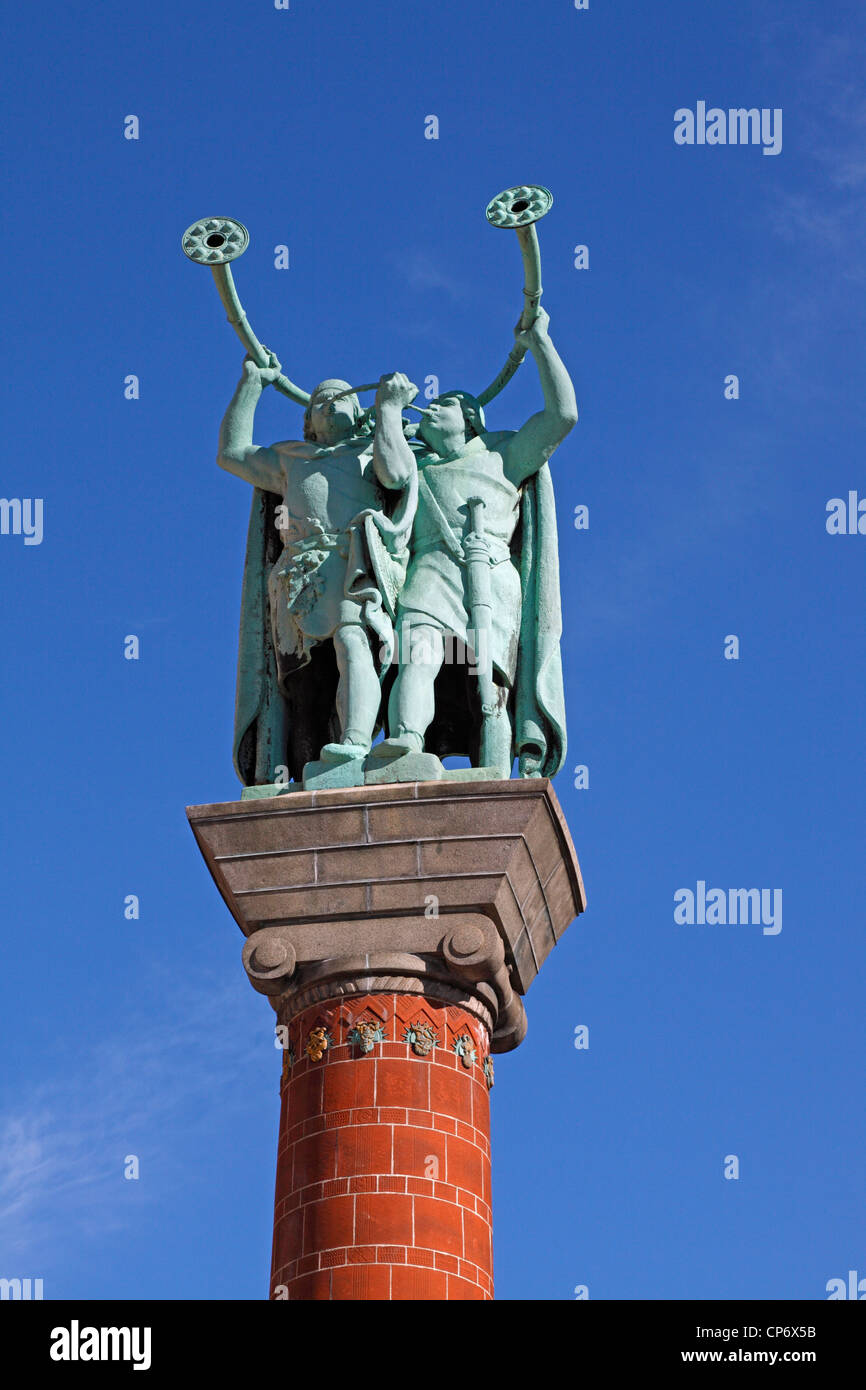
(331, 416)
(450, 414)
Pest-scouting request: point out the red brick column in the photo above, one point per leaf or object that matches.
(367, 911)
(383, 1166)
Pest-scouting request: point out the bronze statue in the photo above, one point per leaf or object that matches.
(417, 576)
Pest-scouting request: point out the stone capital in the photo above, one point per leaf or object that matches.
(453, 891)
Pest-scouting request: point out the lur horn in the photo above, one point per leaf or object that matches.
(215, 241)
(520, 208)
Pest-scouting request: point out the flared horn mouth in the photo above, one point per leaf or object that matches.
(215, 240)
(519, 207)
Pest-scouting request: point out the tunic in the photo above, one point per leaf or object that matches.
(436, 585)
(322, 578)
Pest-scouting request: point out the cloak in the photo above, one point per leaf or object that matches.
(539, 715)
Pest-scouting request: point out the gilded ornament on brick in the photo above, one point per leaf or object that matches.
(465, 1050)
(365, 1034)
(488, 1072)
(421, 1038)
(317, 1044)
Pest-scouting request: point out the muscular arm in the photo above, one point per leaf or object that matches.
(393, 460)
(532, 445)
(237, 452)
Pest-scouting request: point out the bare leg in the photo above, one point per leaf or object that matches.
(411, 706)
(358, 694)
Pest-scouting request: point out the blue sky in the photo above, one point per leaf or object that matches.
(707, 518)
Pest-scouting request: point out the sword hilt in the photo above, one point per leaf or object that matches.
(475, 507)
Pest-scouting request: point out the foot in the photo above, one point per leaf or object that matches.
(397, 746)
(344, 752)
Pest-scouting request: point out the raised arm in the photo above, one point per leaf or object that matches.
(237, 452)
(532, 445)
(393, 460)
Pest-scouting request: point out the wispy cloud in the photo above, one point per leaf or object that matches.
(62, 1149)
(828, 216)
(421, 272)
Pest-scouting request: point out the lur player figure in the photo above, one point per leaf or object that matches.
(321, 503)
(483, 572)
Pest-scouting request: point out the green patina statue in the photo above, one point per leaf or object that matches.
(397, 584)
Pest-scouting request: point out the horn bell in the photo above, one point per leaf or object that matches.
(519, 207)
(215, 240)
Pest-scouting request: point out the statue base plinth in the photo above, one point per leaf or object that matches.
(443, 897)
(370, 772)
